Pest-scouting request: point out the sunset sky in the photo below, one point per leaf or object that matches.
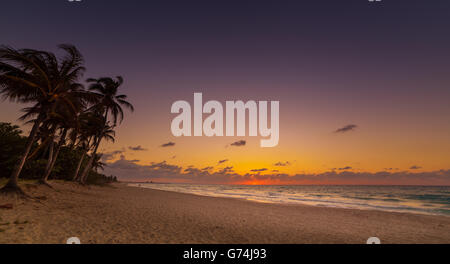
(364, 88)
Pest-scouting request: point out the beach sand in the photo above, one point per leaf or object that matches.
(122, 214)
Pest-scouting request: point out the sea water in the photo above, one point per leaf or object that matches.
(415, 199)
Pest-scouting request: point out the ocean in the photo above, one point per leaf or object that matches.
(414, 199)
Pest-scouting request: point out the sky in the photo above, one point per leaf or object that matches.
(364, 87)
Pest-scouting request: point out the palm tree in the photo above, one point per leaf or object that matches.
(109, 102)
(84, 138)
(105, 132)
(97, 163)
(38, 77)
(64, 121)
(106, 89)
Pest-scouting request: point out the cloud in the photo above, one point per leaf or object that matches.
(259, 170)
(137, 148)
(239, 143)
(170, 144)
(227, 170)
(127, 170)
(222, 161)
(345, 168)
(415, 167)
(347, 128)
(111, 155)
(282, 164)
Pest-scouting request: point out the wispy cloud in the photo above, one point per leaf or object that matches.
(170, 144)
(259, 170)
(346, 128)
(282, 164)
(226, 170)
(239, 143)
(137, 148)
(222, 161)
(345, 168)
(415, 167)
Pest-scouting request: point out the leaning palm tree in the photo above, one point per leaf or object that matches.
(105, 132)
(83, 139)
(109, 101)
(97, 163)
(106, 89)
(64, 121)
(38, 77)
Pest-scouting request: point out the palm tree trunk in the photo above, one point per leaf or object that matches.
(88, 167)
(52, 162)
(50, 155)
(75, 175)
(12, 185)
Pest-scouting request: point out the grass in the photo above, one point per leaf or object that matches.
(3, 181)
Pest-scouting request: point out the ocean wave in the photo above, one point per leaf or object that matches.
(417, 199)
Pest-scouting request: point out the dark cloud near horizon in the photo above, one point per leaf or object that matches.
(137, 148)
(259, 170)
(222, 161)
(345, 129)
(111, 155)
(239, 143)
(345, 168)
(415, 167)
(170, 144)
(130, 170)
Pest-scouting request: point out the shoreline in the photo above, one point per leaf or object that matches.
(128, 184)
(121, 214)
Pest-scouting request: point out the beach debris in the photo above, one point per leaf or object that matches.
(43, 198)
(17, 222)
(6, 206)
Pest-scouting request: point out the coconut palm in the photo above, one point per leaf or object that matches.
(106, 90)
(84, 138)
(105, 132)
(38, 77)
(97, 163)
(64, 121)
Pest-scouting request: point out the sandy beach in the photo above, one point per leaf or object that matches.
(121, 214)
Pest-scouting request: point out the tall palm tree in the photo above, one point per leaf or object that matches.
(109, 102)
(90, 123)
(64, 121)
(105, 132)
(38, 77)
(106, 90)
